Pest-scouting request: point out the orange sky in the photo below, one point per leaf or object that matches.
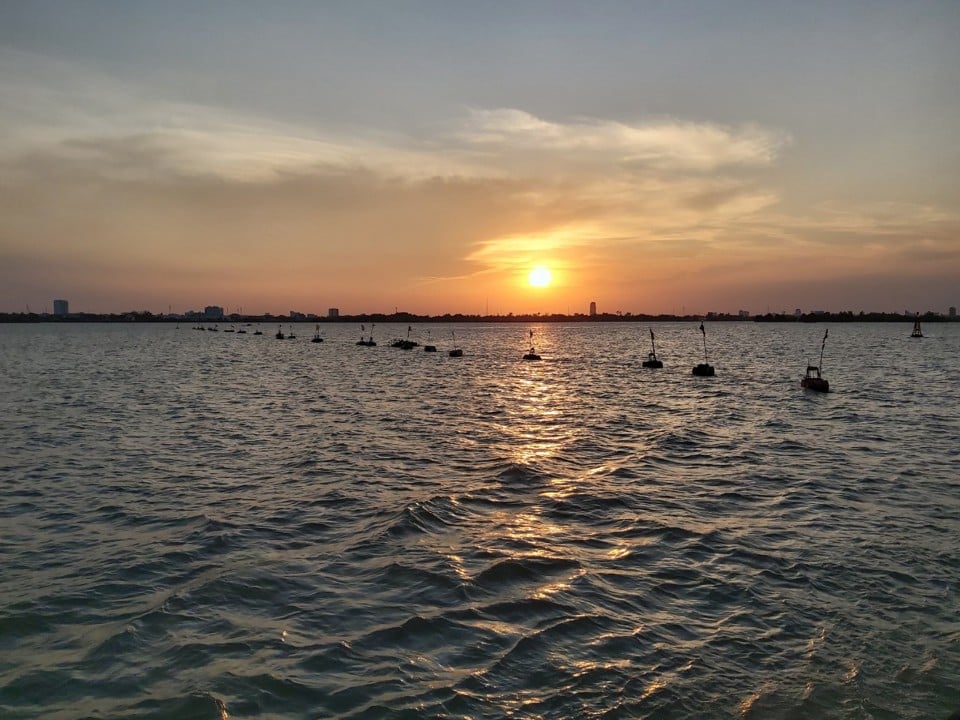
(143, 169)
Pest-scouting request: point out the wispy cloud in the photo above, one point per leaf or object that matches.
(664, 143)
(97, 175)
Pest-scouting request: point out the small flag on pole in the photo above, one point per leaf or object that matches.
(702, 330)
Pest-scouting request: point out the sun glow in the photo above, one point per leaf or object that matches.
(540, 276)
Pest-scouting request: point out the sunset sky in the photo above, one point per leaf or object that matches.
(426, 155)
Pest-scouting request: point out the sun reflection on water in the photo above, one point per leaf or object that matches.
(540, 422)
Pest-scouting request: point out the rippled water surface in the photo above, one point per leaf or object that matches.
(214, 525)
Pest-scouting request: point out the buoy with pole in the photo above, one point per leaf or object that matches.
(652, 361)
(532, 353)
(813, 380)
(704, 369)
(455, 351)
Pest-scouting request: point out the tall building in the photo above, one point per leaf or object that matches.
(593, 309)
(953, 312)
(333, 312)
(213, 312)
(61, 308)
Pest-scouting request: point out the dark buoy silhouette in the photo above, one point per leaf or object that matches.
(369, 342)
(280, 335)
(455, 351)
(813, 380)
(704, 369)
(917, 332)
(405, 343)
(532, 353)
(652, 361)
(258, 331)
(429, 348)
(316, 335)
(290, 335)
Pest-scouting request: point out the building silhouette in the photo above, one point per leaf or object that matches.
(61, 308)
(333, 312)
(593, 309)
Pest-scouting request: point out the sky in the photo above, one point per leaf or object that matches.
(424, 156)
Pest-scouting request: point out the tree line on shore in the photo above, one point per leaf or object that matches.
(405, 317)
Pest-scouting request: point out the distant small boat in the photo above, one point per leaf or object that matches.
(241, 331)
(532, 353)
(280, 335)
(652, 361)
(258, 331)
(917, 332)
(290, 335)
(704, 369)
(316, 336)
(813, 379)
(429, 348)
(230, 329)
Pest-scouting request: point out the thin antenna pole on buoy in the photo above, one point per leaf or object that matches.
(825, 332)
(653, 344)
(704, 343)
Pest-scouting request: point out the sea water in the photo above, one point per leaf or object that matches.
(223, 525)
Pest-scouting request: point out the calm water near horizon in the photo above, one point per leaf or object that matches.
(218, 525)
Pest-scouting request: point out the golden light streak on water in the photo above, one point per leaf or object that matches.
(546, 591)
(222, 709)
(457, 563)
(748, 702)
(654, 687)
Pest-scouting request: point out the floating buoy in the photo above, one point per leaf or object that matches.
(652, 361)
(704, 369)
(813, 379)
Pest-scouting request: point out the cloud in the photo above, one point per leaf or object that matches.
(666, 144)
(103, 185)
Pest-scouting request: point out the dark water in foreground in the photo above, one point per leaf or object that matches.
(213, 525)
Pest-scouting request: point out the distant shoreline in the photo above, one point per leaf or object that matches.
(146, 316)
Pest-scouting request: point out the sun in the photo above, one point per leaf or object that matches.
(540, 276)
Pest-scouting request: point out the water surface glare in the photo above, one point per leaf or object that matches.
(213, 525)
